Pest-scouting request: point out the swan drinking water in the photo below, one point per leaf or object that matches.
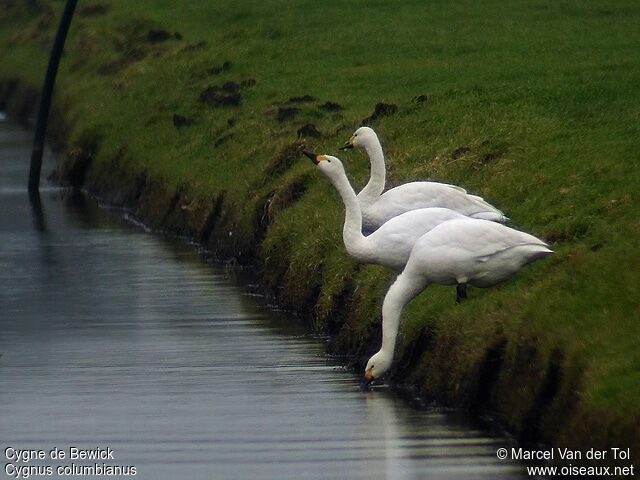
(456, 252)
(378, 207)
(391, 244)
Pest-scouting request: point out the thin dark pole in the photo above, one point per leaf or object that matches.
(45, 98)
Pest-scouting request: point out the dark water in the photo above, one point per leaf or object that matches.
(114, 337)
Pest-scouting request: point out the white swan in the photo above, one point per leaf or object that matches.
(391, 244)
(378, 207)
(457, 252)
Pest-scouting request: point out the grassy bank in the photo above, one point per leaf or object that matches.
(195, 115)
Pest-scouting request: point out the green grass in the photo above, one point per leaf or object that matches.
(546, 95)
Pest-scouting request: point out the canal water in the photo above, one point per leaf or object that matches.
(134, 347)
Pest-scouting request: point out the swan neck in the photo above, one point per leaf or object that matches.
(390, 326)
(352, 231)
(375, 186)
(403, 290)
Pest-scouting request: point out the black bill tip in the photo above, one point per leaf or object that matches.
(346, 146)
(312, 156)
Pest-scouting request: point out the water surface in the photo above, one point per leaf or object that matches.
(114, 337)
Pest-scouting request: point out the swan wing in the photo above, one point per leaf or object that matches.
(414, 195)
(480, 252)
(484, 239)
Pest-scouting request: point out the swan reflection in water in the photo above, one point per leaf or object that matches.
(434, 444)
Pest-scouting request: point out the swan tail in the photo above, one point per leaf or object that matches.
(493, 216)
(489, 212)
(534, 252)
(528, 252)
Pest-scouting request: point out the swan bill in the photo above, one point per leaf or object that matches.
(314, 158)
(368, 374)
(348, 145)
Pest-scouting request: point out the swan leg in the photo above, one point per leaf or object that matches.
(461, 291)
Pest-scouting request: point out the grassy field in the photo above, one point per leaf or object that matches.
(545, 96)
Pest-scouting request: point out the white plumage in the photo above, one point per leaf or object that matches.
(428, 245)
(459, 251)
(391, 244)
(378, 207)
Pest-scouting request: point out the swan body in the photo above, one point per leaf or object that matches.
(460, 251)
(378, 207)
(391, 244)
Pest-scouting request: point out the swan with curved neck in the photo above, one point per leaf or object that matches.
(378, 207)
(391, 244)
(460, 251)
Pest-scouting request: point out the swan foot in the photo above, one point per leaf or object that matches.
(461, 291)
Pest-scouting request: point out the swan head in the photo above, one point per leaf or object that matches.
(378, 365)
(361, 138)
(331, 166)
